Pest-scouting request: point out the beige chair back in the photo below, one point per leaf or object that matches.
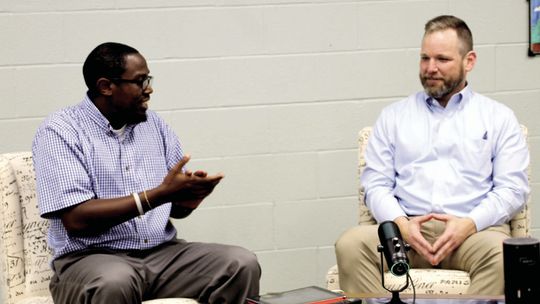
(25, 271)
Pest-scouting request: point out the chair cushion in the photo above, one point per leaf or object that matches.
(431, 281)
(36, 300)
(426, 281)
(48, 300)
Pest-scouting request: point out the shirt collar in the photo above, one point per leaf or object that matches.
(95, 115)
(458, 100)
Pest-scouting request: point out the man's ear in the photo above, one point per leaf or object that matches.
(104, 86)
(470, 61)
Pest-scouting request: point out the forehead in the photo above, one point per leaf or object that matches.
(441, 42)
(135, 66)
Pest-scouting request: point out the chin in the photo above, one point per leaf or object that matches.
(138, 118)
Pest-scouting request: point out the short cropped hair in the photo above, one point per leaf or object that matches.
(106, 60)
(445, 22)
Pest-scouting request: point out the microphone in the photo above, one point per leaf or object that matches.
(394, 248)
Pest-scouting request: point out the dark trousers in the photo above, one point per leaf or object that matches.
(209, 273)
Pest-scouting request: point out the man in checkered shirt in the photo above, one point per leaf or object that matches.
(110, 173)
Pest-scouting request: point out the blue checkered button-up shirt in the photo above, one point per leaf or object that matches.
(78, 157)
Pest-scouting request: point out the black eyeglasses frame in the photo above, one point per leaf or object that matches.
(142, 83)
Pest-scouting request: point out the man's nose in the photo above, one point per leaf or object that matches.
(432, 66)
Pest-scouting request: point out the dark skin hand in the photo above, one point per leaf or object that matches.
(185, 189)
(457, 230)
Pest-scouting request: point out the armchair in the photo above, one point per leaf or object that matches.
(24, 254)
(426, 281)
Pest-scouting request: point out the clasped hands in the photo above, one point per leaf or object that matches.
(187, 189)
(457, 230)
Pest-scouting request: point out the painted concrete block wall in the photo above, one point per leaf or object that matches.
(270, 92)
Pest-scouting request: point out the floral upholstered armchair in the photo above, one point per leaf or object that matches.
(24, 254)
(426, 281)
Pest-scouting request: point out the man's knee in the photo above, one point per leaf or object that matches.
(356, 240)
(122, 283)
(346, 242)
(241, 259)
(487, 245)
(357, 256)
(98, 285)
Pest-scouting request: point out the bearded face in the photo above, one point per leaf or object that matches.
(441, 86)
(444, 65)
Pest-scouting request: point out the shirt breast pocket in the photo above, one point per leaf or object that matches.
(476, 155)
(479, 146)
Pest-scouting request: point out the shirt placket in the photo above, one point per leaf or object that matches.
(437, 171)
(133, 181)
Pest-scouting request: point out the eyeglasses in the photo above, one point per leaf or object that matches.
(143, 83)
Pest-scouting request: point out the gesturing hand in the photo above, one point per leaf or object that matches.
(188, 187)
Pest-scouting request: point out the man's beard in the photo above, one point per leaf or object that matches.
(136, 114)
(448, 86)
(136, 117)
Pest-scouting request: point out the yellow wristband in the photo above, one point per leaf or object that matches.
(146, 199)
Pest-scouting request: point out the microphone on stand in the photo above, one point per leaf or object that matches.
(394, 248)
(395, 252)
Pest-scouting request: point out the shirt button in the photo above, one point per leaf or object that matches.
(127, 168)
(145, 241)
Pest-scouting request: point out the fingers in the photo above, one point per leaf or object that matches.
(416, 239)
(441, 255)
(422, 218)
(422, 247)
(216, 177)
(202, 186)
(443, 247)
(180, 165)
(421, 244)
(442, 217)
(445, 238)
(456, 232)
(200, 173)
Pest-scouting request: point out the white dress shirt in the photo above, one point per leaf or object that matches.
(468, 159)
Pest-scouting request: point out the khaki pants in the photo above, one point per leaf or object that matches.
(480, 255)
(209, 273)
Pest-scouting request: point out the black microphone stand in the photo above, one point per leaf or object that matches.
(395, 293)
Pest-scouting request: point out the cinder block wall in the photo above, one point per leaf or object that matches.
(270, 92)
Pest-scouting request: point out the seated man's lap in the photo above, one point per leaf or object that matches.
(480, 255)
(174, 269)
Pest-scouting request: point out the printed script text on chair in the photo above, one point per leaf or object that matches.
(426, 281)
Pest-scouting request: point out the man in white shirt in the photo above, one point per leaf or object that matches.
(448, 166)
